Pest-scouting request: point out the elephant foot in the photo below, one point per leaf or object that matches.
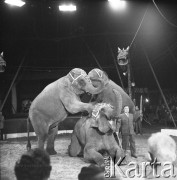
(51, 151)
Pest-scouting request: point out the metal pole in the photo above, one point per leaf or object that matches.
(158, 85)
(116, 65)
(172, 55)
(139, 26)
(129, 79)
(12, 83)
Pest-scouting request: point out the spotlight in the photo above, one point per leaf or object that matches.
(146, 100)
(117, 4)
(67, 7)
(18, 3)
(124, 73)
(133, 84)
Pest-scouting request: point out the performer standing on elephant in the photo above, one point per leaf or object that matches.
(138, 121)
(127, 131)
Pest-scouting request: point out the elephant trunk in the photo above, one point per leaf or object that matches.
(113, 125)
(118, 105)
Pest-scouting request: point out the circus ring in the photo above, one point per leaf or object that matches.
(64, 167)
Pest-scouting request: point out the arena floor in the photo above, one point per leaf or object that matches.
(63, 166)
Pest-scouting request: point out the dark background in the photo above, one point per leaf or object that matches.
(53, 42)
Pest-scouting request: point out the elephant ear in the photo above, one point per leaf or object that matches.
(103, 125)
(98, 75)
(118, 107)
(101, 122)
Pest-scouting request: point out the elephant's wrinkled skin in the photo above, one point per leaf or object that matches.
(99, 78)
(52, 105)
(94, 135)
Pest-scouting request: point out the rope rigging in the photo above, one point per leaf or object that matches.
(160, 12)
(139, 26)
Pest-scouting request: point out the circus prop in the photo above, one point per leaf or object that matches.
(2, 63)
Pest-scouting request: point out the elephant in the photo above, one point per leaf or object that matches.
(99, 78)
(93, 136)
(52, 105)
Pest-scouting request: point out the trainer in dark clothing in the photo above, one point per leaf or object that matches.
(138, 121)
(127, 130)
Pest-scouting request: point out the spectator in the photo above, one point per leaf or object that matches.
(33, 165)
(138, 121)
(163, 149)
(92, 172)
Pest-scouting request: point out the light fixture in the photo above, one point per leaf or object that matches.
(18, 3)
(67, 7)
(133, 84)
(124, 73)
(146, 100)
(117, 4)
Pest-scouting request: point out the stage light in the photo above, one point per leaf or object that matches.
(117, 4)
(124, 73)
(133, 84)
(146, 100)
(18, 3)
(67, 7)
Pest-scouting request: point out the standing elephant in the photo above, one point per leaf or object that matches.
(99, 79)
(52, 105)
(92, 136)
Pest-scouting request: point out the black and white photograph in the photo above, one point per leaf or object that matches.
(88, 89)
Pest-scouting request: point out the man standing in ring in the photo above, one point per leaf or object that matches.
(126, 121)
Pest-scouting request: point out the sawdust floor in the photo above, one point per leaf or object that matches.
(63, 166)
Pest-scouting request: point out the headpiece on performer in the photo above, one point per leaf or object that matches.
(123, 55)
(77, 73)
(97, 74)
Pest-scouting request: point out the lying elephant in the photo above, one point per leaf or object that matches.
(99, 79)
(94, 135)
(52, 105)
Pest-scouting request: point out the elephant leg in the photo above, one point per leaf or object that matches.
(41, 140)
(90, 154)
(50, 141)
(116, 153)
(75, 147)
(38, 121)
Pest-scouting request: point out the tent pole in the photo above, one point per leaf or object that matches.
(155, 77)
(92, 54)
(12, 83)
(116, 65)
